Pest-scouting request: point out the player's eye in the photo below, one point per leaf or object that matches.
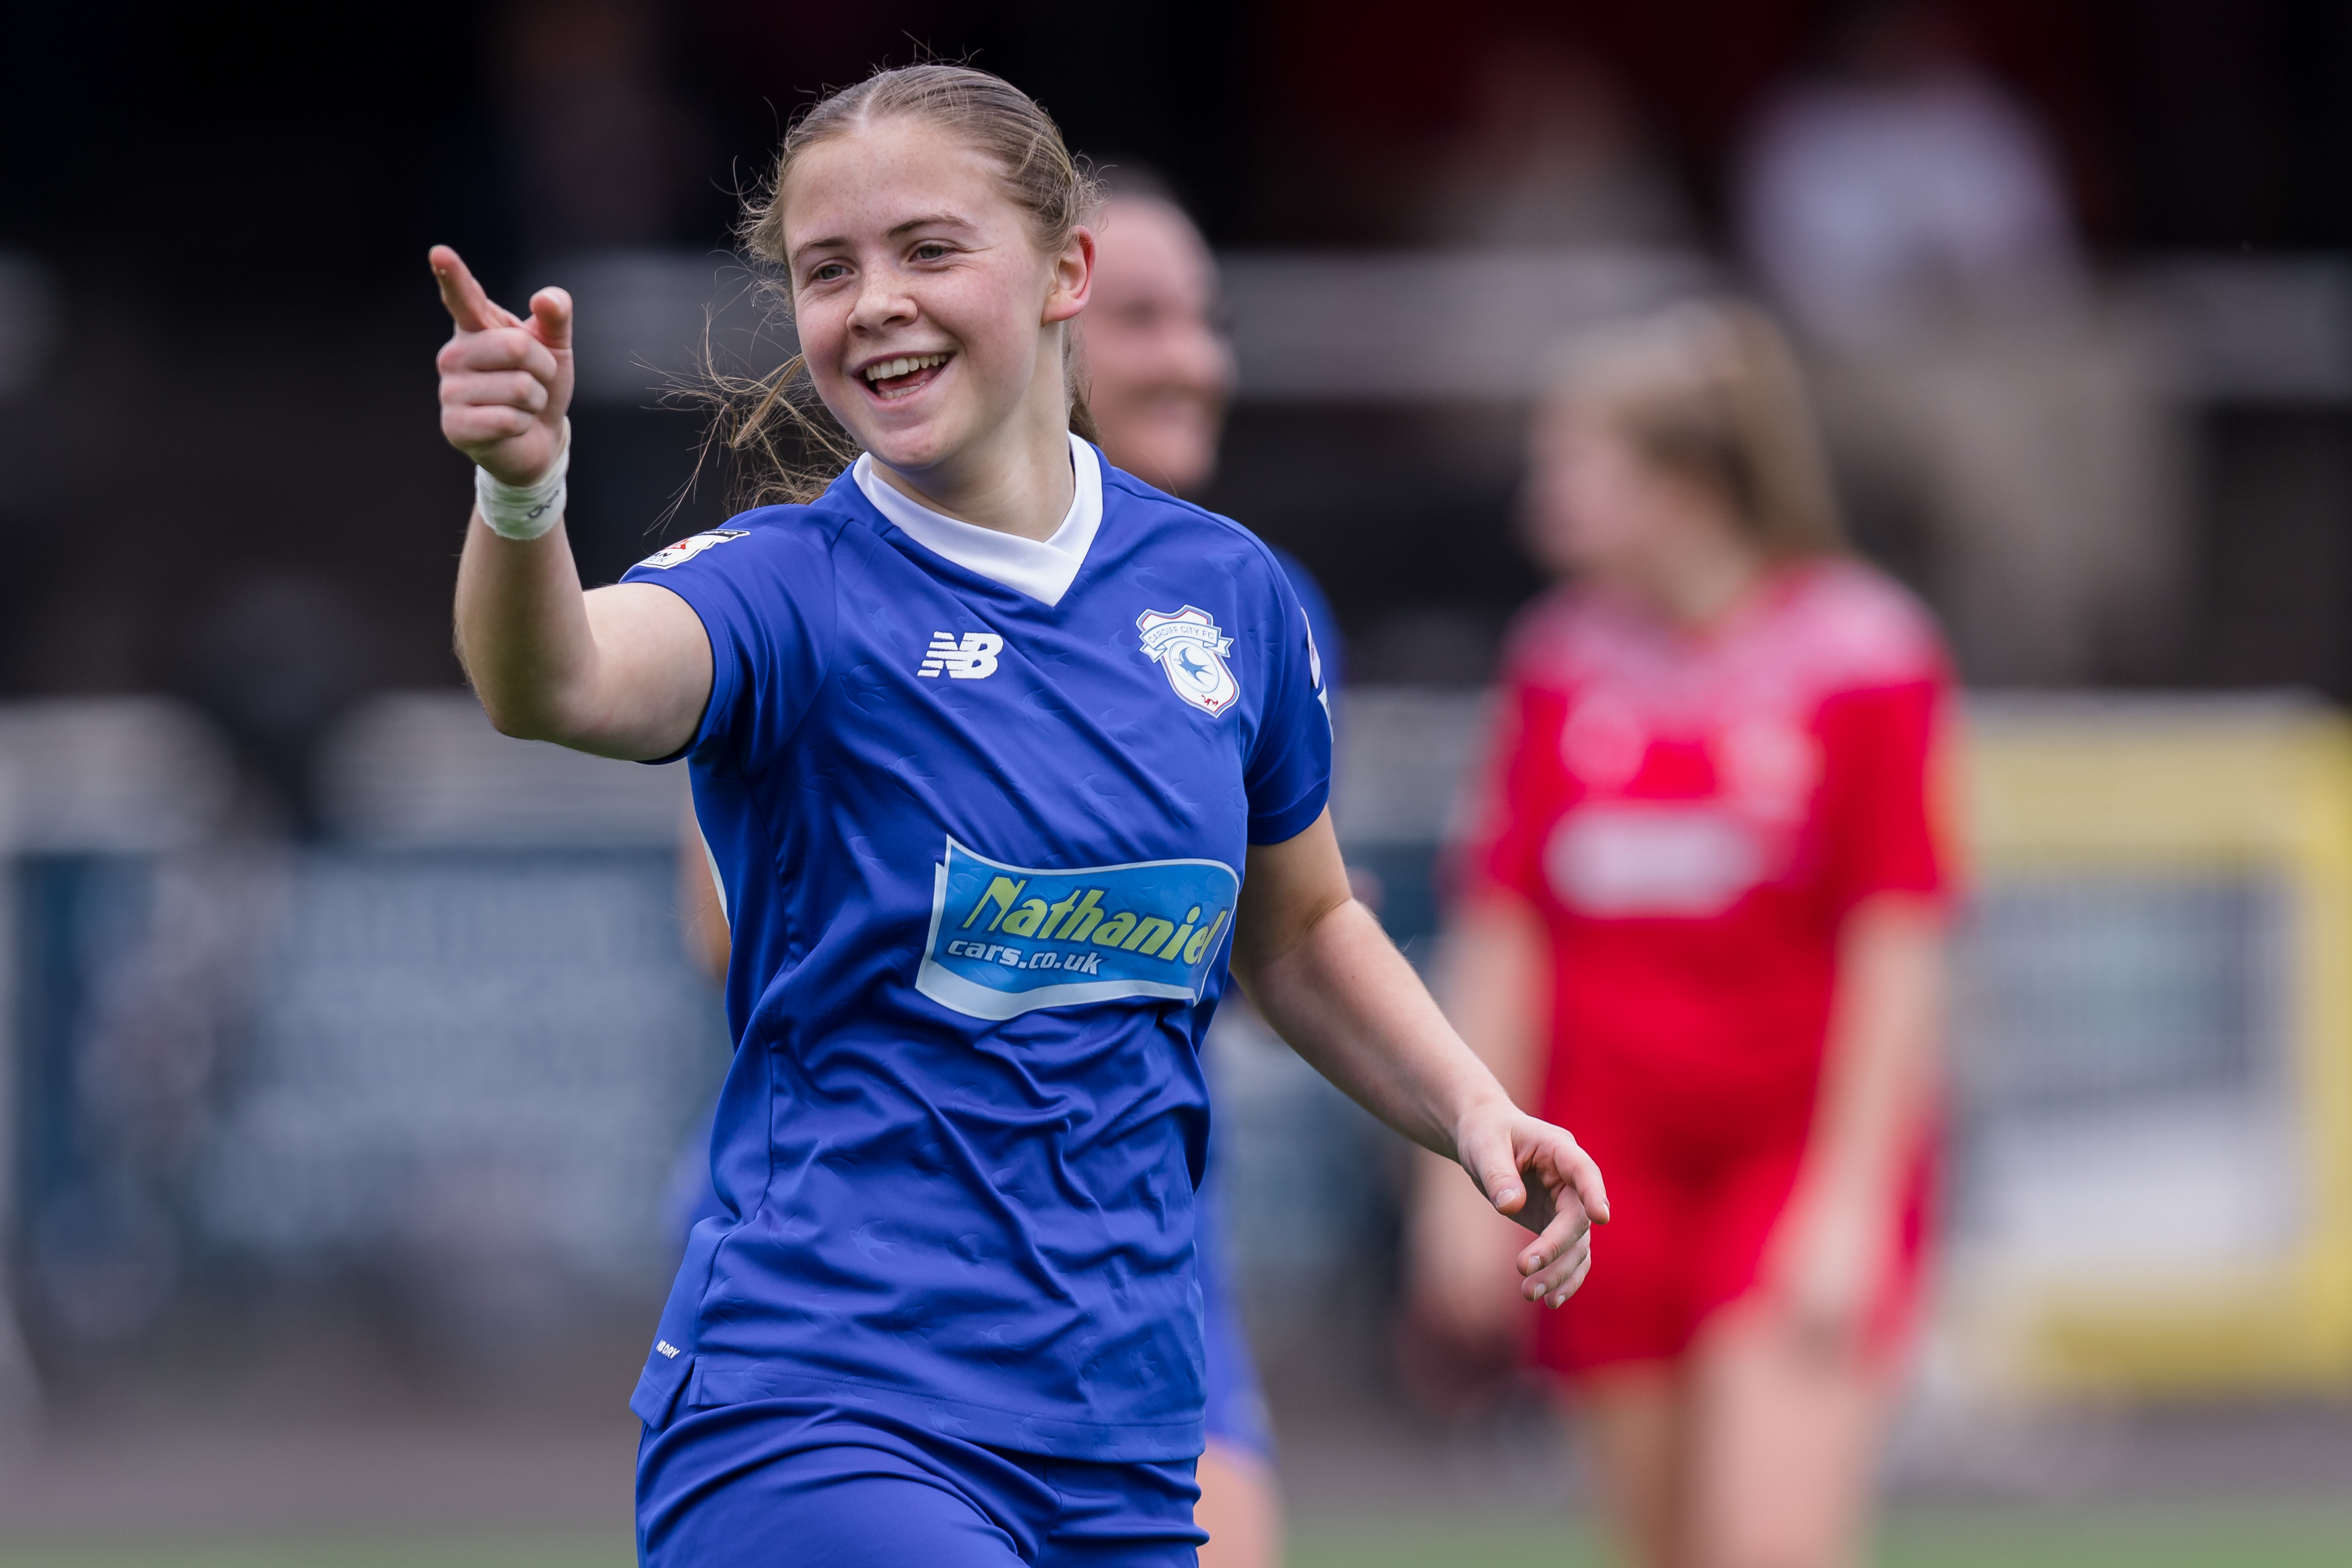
(828, 271)
(930, 250)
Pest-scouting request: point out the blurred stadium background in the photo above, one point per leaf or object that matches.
(345, 1046)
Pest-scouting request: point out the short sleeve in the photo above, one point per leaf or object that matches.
(763, 587)
(1322, 625)
(1288, 774)
(1883, 807)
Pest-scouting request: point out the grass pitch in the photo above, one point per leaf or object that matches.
(2287, 1535)
(2283, 1535)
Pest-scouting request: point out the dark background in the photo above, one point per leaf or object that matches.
(235, 429)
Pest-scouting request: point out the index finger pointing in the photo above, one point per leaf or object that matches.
(462, 295)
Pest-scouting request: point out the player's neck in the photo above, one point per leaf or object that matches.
(1015, 480)
(1700, 584)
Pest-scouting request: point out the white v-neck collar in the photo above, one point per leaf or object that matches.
(1041, 568)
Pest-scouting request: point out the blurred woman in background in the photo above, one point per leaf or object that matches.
(1160, 378)
(1702, 912)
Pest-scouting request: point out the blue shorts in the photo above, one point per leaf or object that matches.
(811, 1483)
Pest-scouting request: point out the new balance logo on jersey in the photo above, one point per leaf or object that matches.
(973, 659)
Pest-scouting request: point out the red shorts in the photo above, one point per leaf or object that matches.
(1686, 1236)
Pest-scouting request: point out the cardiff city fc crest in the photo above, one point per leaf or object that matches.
(1191, 651)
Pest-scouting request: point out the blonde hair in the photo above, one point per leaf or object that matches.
(1710, 391)
(786, 444)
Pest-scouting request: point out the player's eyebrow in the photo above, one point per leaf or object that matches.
(943, 220)
(898, 231)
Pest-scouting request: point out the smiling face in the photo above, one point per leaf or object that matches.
(931, 320)
(1160, 368)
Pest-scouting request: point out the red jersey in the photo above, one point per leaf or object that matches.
(1694, 814)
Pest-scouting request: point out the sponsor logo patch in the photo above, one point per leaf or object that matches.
(1191, 651)
(973, 659)
(1007, 940)
(1652, 859)
(687, 548)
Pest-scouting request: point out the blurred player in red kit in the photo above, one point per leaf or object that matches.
(1702, 911)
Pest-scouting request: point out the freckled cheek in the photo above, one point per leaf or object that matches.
(837, 391)
(822, 332)
(993, 317)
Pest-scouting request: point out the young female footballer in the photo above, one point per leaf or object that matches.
(1002, 756)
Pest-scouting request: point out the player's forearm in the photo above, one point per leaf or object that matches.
(523, 634)
(1879, 1070)
(1347, 1001)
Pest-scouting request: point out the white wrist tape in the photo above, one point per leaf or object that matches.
(525, 511)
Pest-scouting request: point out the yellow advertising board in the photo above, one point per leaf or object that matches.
(2152, 1049)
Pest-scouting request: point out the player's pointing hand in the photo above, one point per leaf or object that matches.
(1538, 1175)
(505, 380)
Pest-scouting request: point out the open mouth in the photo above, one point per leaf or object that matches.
(890, 380)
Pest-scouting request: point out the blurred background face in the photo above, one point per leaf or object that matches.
(1598, 509)
(1162, 372)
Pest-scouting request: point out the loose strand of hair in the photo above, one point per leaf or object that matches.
(774, 448)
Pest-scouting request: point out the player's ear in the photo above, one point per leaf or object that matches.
(1073, 277)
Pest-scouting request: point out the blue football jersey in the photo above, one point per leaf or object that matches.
(981, 849)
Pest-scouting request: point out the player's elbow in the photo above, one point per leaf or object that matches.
(523, 716)
(522, 708)
(1274, 946)
(516, 722)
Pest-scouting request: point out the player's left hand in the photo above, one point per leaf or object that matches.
(1536, 1174)
(1823, 1264)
